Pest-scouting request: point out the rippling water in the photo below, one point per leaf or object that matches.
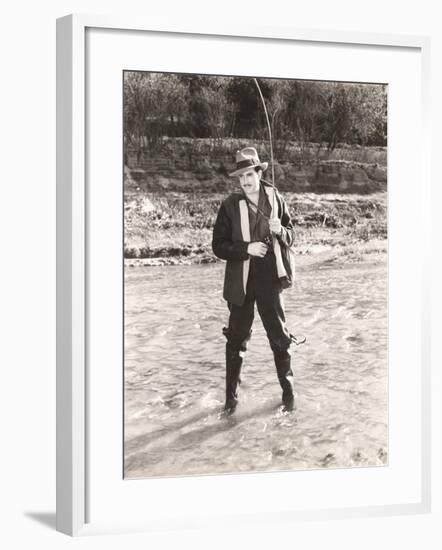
(174, 375)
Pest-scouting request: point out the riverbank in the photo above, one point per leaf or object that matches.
(374, 251)
(203, 166)
(176, 228)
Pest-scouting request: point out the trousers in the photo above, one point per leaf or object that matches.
(264, 289)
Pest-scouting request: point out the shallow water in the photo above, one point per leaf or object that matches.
(174, 375)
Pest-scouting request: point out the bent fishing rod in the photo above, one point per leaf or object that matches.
(272, 162)
(301, 339)
(269, 128)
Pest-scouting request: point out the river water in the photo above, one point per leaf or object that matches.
(174, 375)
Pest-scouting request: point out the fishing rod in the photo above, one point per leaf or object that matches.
(270, 141)
(301, 339)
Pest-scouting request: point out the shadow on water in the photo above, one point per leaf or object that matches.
(146, 439)
(226, 422)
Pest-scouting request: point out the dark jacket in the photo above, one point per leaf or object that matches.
(231, 239)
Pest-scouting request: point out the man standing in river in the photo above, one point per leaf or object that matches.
(253, 232)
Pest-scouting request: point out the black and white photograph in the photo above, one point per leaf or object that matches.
(255, 274)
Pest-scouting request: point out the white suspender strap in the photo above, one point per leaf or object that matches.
(245, 230)
(276, 246)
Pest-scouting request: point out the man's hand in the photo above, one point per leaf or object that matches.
(275, 226)
(257, 249)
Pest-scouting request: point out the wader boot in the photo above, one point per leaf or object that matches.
(234, 362)
(285, 377)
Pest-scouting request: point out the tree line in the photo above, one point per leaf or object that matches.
(201, 106)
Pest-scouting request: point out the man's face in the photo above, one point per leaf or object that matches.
(249, 181)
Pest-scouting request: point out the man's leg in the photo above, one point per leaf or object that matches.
(238, 334)
(271, 311)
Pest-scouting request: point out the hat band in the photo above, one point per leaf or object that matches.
(246, 163)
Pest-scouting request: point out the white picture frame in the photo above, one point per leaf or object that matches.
(77, 490)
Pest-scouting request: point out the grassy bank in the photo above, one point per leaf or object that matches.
(173, 227)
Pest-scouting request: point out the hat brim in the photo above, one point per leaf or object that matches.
(262, 165)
